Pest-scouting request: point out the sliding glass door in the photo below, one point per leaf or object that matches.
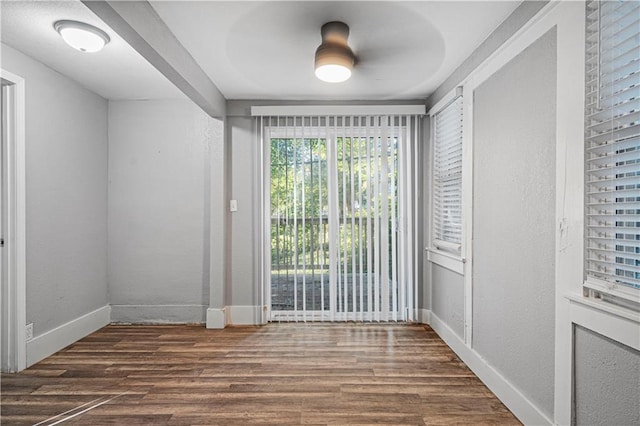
(299, 224)
(341, 216)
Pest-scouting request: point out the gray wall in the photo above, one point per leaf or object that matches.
(66, 194)
(447, 298)
(607, 381)
(514, 217)
(159, 215)
(241, 274)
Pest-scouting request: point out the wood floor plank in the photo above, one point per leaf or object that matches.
(280, 374)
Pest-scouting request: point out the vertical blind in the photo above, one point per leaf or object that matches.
(447, 177)
(341, 203)
(612, 136)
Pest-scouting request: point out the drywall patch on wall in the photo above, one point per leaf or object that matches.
(514, 232)
(607, 381)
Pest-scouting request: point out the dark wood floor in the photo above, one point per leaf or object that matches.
(277, 374)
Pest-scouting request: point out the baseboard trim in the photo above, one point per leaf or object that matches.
(423, 316)
(62, 336)
(521, 407)
(244, 315)
(158, 314)
(216, 318)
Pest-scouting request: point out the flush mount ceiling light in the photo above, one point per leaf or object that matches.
(334, 58)
(81, 36)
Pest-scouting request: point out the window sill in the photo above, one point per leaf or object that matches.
(630, 294)
(612, 321)
(605, 307)
(445, 259)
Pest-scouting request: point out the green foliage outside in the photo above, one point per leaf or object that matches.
(300, 201)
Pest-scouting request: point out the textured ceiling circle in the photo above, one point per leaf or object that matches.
(396, 48)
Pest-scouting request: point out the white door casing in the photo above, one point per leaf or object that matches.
(13, 319)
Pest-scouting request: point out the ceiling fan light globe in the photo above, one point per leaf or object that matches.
(81, 36)
(332, 73)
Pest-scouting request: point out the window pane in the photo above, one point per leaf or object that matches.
(447, 176)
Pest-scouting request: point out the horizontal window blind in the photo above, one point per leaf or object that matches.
(612, 134)
(340, 209)
(447, 178)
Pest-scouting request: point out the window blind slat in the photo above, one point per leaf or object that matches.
(616, 110)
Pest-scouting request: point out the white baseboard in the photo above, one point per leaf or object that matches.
(62, 336)
(423, 316)
(158, 314)
(216, 318)
(521, 407)
(244, 315)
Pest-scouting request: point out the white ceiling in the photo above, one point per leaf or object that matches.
(117, 72)
(265, 49)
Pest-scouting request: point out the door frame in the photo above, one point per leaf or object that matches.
(266, 132)
(13, 295)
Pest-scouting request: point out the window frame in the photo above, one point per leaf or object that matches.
(443, 253)
(594, 286)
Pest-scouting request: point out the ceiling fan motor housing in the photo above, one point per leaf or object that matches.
(334, 48)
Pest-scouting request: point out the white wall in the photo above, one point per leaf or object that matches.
(160, 193)
(66, 198)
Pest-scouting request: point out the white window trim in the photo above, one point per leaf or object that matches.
(336, 110)
(615, 322)
(594, 286)
(446, 260)
(442, 253)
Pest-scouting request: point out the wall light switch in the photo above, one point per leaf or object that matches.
(233, 205)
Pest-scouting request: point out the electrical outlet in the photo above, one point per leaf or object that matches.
(29, 331)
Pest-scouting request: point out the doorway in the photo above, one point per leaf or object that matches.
(12, 224)
(341, 218)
